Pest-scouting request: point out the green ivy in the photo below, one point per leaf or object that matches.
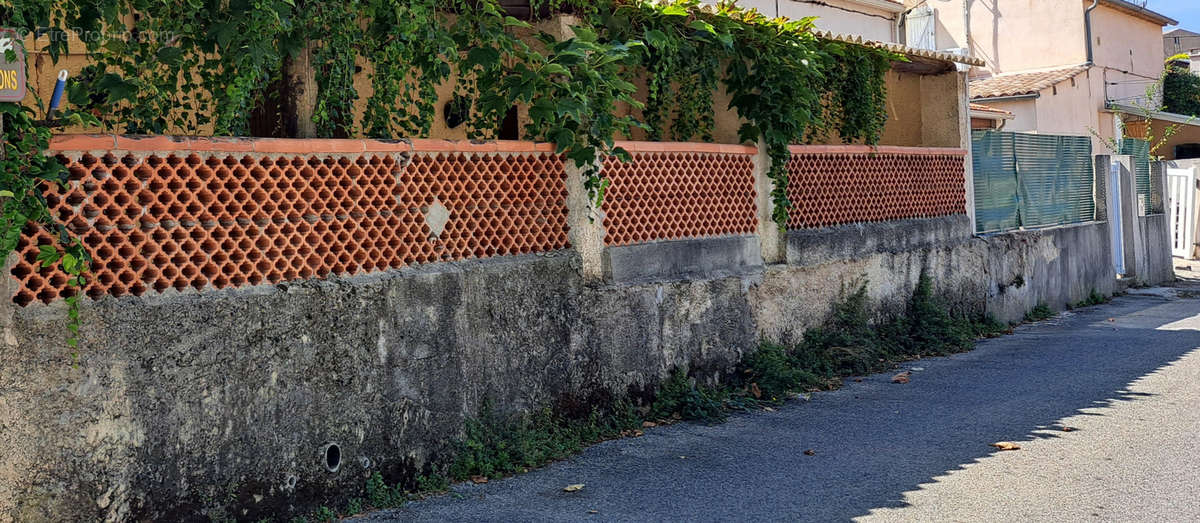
(203, 66)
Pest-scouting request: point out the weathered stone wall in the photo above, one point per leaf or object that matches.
(187, 406)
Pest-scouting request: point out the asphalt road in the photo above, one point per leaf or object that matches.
(1125, 377)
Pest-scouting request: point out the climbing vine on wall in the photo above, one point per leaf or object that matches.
(204, 66)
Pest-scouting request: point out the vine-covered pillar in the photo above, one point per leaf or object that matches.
(299, 98)
(586, 222)
(772, 238)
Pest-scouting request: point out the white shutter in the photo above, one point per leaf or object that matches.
(920, 29)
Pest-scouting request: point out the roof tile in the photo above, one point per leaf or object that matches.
(1017, 84)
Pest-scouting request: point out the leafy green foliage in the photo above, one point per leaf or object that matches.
(1181, 91)
(495, 446)
(1094, 298)
(204, 65)
(379, 495)
(680, 396)
(24, 171)
(1039, 313)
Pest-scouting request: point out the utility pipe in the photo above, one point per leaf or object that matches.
(1087, 28)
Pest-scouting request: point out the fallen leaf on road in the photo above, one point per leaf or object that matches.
(1006, 445)
(757, 392)
(593, 512)
(479, 479)
(648, 424)
(901, 378)
(573, 488)
(1067, 429)
(810, 452)
(857, 380)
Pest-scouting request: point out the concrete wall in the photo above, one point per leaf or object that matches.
(222, 403)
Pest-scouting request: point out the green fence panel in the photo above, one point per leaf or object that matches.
(994, 165)
(1031, 180)
(1056, 179)
(1139, 150)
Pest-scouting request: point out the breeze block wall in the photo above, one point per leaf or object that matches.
(254, 304)
(163, 213)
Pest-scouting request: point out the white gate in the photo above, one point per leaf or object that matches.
(1181, 191)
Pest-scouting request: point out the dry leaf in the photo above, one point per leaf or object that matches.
(1067, 429)
(593, 512)
(757, 392)
(810, 452)
(903, 377)
(573, 488)
(857, 380)
(479, 479)
(1006, 445)
(638, 433)
(648, 424)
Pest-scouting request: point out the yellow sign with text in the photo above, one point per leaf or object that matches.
(12, 66)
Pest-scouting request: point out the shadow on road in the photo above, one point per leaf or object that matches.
(872, 441)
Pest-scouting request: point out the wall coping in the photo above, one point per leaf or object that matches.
(104, 142)
(875, 149)
(686, 147)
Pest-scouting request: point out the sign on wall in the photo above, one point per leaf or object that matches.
(12, 72)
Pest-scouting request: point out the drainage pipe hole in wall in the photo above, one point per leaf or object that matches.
(333, 457)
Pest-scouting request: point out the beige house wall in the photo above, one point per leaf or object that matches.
(1025, 115)
(837, 16)
(1015, 35)
(1129, 51)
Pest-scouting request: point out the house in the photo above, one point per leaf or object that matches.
(1182, 41)
(1067, 67)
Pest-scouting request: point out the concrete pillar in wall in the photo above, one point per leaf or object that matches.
(586, 225)
(772, 239)
(1121, 215)
(8, 289)
(1131, 239)
(1100, 187)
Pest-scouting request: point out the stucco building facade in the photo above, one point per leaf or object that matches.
(1057, 65)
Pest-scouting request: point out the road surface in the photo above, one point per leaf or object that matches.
(1124, 376)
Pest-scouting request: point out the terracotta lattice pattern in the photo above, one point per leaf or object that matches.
(848, 184)
(234, 215)
(672, 191)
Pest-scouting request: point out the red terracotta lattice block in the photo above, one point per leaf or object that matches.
(212, 219)
(678, 194)
(853, 187)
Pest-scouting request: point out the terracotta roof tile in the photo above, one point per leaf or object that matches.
(990, 109)
(1016, 84)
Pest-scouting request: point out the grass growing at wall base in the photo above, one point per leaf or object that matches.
(852, 341)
